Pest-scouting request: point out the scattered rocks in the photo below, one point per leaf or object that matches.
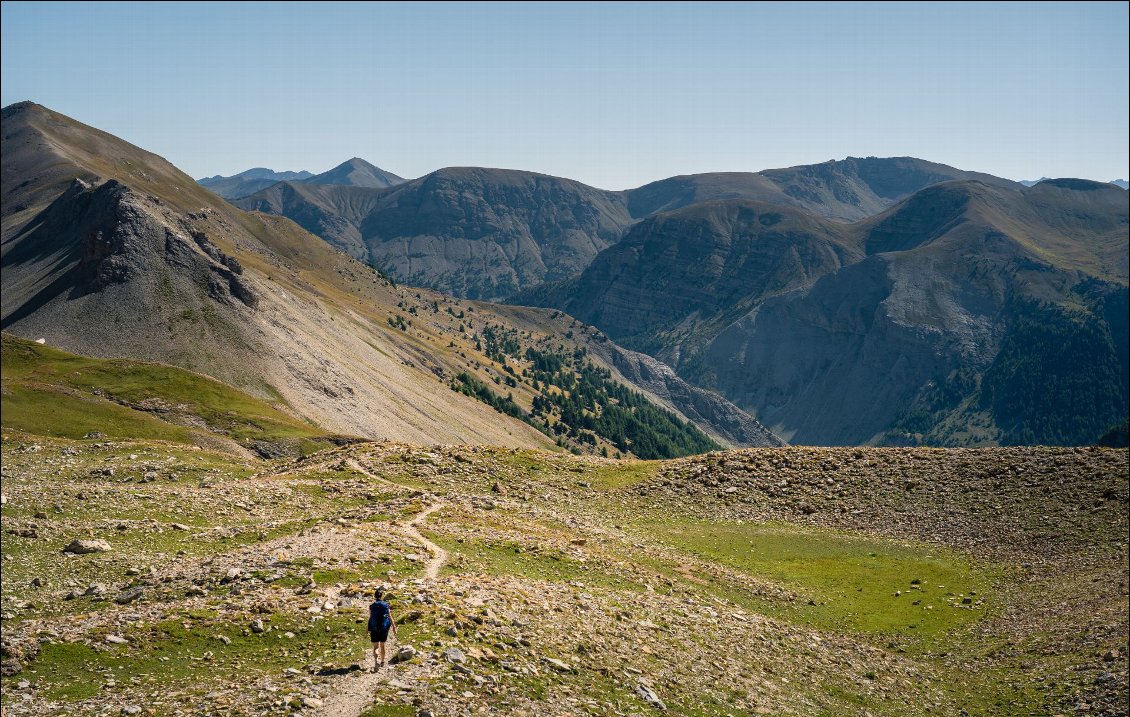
(558, 665)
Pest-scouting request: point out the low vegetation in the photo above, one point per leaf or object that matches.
(54, 393)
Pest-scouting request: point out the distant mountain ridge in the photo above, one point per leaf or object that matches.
(490, 233)
(354, 172)
(469, 231)
(249, 182)
(1033, 182)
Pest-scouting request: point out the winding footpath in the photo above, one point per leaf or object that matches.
(354, 693)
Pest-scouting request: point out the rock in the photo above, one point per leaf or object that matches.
(257, 626)
(85, 547)
(131, 710)
(404, 654)
(648, 695)
(311, 702)
(454, 654)
(559, 665)
(180, 526)
(1110, 655)
(129, 596)
(425, 713)
(116, 640)
(498, 488)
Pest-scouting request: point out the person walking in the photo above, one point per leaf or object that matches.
(380, 622)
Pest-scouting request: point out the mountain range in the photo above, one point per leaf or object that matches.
(867, 300)
(355, 172)
(489, 233)
(857, 301)
(1032, 182)
(110, 251)
(966, 313)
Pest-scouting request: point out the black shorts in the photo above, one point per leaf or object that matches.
(380, 635)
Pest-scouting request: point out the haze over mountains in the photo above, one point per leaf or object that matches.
(355, 172)
(920, 320)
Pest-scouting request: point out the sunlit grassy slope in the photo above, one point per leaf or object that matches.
(54, 393)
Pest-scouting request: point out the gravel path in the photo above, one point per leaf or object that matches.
(354, 693)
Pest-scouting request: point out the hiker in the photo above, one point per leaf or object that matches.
(380, 620)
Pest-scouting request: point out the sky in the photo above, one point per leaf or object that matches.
(613, 95)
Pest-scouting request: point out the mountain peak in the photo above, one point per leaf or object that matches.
(18, 107)
(356, 172)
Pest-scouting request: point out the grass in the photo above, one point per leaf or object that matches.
(183, 650)
(49, 411)
(511, 558)
(624, 474)
(851, 579)
(54, 393)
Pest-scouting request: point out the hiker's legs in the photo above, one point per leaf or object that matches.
(376, 662)
(382, 653)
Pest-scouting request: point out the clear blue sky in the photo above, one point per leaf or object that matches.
(612, 95)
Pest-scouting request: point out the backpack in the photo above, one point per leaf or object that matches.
(379, 618)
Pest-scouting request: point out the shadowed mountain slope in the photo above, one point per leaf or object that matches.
(489, 233)
(920, 323)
